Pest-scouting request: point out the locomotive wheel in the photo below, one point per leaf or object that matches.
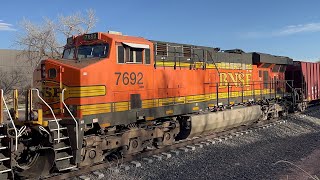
(36, 164)
(134, 146)
(35, 155)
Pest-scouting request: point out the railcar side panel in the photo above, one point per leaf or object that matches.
(306, 75)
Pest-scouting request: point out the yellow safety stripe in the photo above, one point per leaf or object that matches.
(85, 91)
(152, 103)
(95, 108)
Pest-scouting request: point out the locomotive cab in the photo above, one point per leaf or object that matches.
(93, 63)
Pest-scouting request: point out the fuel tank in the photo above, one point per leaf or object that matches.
(195, 125)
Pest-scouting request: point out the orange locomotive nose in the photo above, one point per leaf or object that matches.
(56, 76)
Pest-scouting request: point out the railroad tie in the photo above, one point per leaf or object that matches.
(184, 149)
(98, 174)
(84, 177)
(136, 164)
(211, 141)
(205, 143)
(191, 147)
(167, 155)
(175, 152)
(199, 145)
(158, 157)
(114, 169)
(125, 167)
(148, 160)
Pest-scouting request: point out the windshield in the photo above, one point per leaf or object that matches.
(68, 53)
(90, 51)
(86, 51)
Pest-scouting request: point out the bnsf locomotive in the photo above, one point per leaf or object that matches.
(113, 94)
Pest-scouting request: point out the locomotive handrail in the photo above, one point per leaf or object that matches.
(74, 119)
(294, 92)
(12, 122)
(54, 116)
(203, 62)
(208, 52)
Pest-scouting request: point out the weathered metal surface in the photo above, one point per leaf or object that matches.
(222, 120)
(306, 75)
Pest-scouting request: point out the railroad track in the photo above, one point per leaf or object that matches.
(166, 151)
(183, 145)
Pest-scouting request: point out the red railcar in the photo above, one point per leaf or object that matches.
(305, 75)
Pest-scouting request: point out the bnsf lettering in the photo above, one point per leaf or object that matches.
(127, 78)
(234, 79)
(50, 92)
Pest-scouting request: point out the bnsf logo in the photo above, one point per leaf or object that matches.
(51, 92)
(235, 79)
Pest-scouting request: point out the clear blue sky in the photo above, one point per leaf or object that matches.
(288, 27)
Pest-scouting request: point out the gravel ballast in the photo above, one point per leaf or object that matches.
(249, 156)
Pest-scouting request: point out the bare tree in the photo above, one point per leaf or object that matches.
(46, 40)
(77, 23)
(12, 79)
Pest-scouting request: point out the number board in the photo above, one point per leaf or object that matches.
(90, 37)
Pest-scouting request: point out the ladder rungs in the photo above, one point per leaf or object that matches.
(56, 129)
(4, 171)
(62, 148)
(67, 168)
(53, 120)
(3, 147)
(61, 138)
(4, 159)
(63, 158)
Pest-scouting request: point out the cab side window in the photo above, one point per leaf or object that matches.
(147, 56)
(121, 54)
(132, 55)
(135, 55)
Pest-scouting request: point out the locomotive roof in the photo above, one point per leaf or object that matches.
(232, 55)
(268, 58)
(125, 38)
(189, 45)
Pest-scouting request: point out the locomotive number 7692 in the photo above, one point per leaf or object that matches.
(126, 78)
